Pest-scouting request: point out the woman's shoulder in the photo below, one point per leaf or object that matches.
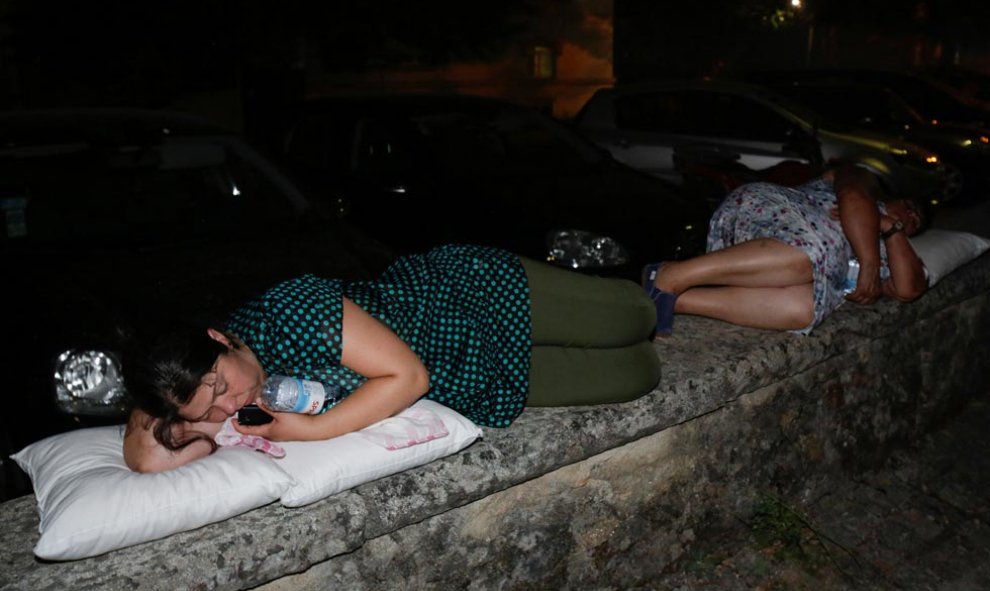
(454, 257)
(304, 284)
(303, 291)
(471, 250)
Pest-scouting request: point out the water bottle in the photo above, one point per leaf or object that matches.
(852, 276)
(288, 394)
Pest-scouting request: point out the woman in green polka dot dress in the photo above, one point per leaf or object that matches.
(474, 328)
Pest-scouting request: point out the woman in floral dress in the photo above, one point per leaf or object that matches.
(778, 257)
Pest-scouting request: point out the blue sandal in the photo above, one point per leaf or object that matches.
(663, 301)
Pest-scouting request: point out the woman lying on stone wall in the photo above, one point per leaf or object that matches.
(473, 328)
(778, 257)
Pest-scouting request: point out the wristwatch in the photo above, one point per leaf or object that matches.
(896, 227)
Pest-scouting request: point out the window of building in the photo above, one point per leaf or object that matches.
(543, 63)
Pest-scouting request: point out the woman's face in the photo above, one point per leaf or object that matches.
(233, 381)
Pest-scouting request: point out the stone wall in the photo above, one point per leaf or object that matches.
(607, 496)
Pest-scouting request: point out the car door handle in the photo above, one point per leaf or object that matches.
(621, 143)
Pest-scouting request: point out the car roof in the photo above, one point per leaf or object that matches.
(100, 126)
(863, 86)
(729, 86)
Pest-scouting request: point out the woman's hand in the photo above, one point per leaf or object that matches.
(908, 280)
(869, 288)
(887, 222)
(860, 218)
(143, 453)
(284, 426)
(395, 378)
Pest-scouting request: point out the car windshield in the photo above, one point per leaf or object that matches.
(925, 97)
(145, 194)
(503, 142)
(805, 112)
(870, 107)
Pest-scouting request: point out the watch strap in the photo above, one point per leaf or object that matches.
(897, 226)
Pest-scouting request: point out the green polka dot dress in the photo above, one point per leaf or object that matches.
(463, 309)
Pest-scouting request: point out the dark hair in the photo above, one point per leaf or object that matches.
(162, 372)
(925, 212)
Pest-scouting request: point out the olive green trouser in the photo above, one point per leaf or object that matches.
(591, 338)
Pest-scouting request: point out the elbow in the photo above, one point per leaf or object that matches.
(143, 464)
(910, 294)
(419, 380)
(413, 379)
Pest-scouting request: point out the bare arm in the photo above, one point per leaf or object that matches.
(907, 272)
(856, 194)
(143, 453)
(395, 379)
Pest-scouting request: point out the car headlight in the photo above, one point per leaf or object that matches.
(903, 156)
(577, 249)
(88, 383)
(980, 144)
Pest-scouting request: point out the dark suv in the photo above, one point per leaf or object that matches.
(118, 219)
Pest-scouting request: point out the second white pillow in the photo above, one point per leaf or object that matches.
(323, 468)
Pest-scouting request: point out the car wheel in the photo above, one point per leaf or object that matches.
(953, 183)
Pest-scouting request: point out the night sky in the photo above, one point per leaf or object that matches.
(111, 52)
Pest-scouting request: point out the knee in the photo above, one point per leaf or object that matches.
(800, 313)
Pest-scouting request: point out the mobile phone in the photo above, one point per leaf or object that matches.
(251, 414)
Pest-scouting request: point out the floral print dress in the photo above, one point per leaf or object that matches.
(801, 217)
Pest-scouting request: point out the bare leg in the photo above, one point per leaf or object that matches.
(778, 308)
(763, 262)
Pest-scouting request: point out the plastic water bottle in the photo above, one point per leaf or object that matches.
(288, 394)
(852, 276)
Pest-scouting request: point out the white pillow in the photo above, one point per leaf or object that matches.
(942, 251)
(91, 503)
(323, 468)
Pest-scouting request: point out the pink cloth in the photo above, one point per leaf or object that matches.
(409, 428)
(228, 436)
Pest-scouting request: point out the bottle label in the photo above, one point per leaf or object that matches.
(311, 396)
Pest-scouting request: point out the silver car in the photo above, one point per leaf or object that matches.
(644, 125)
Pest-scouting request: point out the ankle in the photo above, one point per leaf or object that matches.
(665, 279)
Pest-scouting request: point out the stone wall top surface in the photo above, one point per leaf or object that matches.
(705, 364)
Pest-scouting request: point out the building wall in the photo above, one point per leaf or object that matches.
(579, 44)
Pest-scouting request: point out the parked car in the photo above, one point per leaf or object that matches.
(644, 124)
(969, 86)
(114, 220)
(418, 170)
(934, 103)
(965, 149)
